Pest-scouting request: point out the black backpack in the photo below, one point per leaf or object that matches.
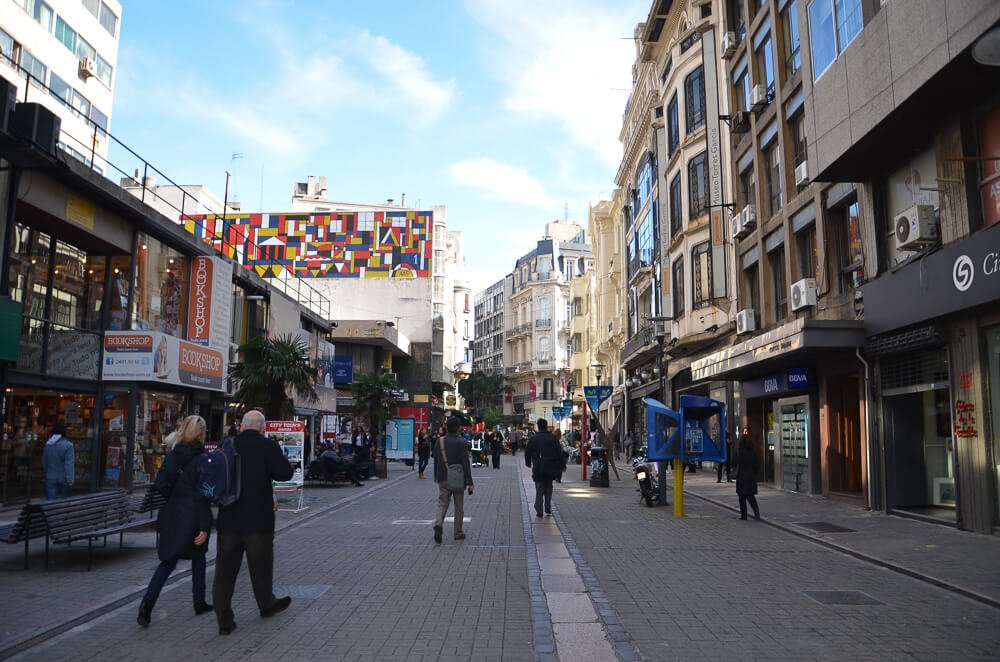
(550, 465)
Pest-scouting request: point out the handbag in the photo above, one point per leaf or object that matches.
(455, 480)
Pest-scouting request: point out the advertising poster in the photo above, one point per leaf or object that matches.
(399, 438)
(291, 437)
(155, 356)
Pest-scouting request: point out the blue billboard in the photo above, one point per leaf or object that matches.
(343, 369)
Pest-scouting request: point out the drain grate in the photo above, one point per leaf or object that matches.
(302, 591)
(824, 527)
(842, 598)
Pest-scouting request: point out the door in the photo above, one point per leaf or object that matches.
(792, 423)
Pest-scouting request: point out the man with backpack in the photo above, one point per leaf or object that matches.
(545, 457)
(453, 474)
(247, 525)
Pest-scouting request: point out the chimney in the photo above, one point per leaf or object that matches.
(402, 199)
(389, 201)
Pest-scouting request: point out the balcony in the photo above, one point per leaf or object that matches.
(544, 364)
(637, 343)
(521, 399)
(543, 324)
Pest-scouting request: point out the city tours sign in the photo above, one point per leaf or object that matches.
(159, 357)
(291, 437)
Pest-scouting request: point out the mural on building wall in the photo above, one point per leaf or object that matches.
(363, 244)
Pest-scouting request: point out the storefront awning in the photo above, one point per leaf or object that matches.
(763, 353)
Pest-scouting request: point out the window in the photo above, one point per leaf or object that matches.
(833, 24)
(737, 21)
(644, 183)
(677, 283)
(39, 11)
(633, 258)
(65, 34)
(543, 349)
(160, 288)
(790, 22)
(694, 99)
(690, 41)
(576, 344)
(60, 89)
(108, 19)
(34, 67)
(765, 63)
(772, 157)
(675, 206)
(698, 185)
(847, 242)
(805, 244)
(577, 306)
(6, 45)
(85, 50)
(544, 313)
(776, 260)
(673, 126)
(748, 187)
(741, 90)
(701, 276)
(646, 247)
(751, 289)
(797, 126)
(80, 104)
(667, 68)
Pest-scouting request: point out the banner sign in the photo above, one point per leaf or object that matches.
(156, 356)
(595, 395)
(330, 427)
(291, 437)
(399, 438)
(343, 369)
(567, 404)
(209, 301)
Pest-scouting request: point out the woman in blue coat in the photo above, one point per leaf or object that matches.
(186, 521)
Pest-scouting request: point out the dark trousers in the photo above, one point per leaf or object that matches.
(259, 548)
(719, 467)
(543, 492)
(753, 504)
(423, 464)
(162, 573)
(496, 460)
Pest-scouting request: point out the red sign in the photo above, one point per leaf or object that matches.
(418, 414)
(199, 326)
(137, 342)
(284, 426)
(532, 390)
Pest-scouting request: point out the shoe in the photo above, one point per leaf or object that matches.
(437, 534)
(226, 629)
(459, 536)
(202, 608)
(756, 516)
(359, 484)
(145, 612)
(538, 513)
(280, 604)
(420, 476)
(718, 480)
(743, 517)
(548, 511)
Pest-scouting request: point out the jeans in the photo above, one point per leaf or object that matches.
(543, 492)
(496, 460)
(230, 546)
(423, 464)
(444, 499)
(55, 489)
(163, 571)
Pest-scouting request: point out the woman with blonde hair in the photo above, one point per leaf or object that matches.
(186, 521)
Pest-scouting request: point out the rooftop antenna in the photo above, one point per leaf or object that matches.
(566, 212)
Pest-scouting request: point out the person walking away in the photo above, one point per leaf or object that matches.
(746, 475)
(728, 464)
(57, 462)
(247, 526)
(423, 453)
(451, 450)
(496, 448)
(545, 457)
(185, 522)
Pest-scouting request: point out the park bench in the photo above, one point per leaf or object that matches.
(150, 502)
(89, 517)
(29, 525)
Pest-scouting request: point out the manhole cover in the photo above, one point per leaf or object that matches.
(301, 591)
(842, 598)
(824, 527)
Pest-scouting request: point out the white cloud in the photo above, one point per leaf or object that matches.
(502, 181)
(408, 77)
(564, 60)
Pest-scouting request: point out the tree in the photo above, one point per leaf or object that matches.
(482, 391)
(374, 398)
(271, 367)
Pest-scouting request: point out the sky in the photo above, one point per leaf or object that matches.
(506, 111)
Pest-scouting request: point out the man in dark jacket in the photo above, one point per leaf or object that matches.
(545, 457)
(456, 452)
(248, 525)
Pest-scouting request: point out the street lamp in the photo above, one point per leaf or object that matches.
(598, 372)
(660, 333)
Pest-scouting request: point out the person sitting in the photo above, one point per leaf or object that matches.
(336, 464)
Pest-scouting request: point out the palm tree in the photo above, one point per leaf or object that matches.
(482, 391)
(374, 398)
(271, 367)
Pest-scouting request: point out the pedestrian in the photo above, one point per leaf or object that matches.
(545, 458)
(58, 463)
(496, 448)
(451, 450)
(728, 464)
(248, 524)
(184, 524)
(746, 475)
(423, 453)
(333, 464)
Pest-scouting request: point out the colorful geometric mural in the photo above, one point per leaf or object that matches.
(362, 244)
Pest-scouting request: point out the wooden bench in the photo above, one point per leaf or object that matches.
(88, 517)
(29, 525)
(150, 502)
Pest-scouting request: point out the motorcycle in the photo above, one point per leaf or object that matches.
(645, 473)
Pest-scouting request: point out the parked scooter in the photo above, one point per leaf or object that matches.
(645, 473)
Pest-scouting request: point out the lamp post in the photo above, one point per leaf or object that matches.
(660, 332)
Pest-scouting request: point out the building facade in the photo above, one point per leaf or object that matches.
(488, 313)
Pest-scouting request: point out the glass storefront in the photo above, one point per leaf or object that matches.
(29, 417)
(157, 415)
(993, 359)
(114, 439)
(160, 288)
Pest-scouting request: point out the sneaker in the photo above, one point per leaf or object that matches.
(459, 536)
(281, 604)
(226, 629)
(437, 534)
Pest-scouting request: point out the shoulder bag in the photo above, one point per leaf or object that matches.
(455, 482)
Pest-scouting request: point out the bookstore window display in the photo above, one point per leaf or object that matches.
(160, 288)
(114, 439)
(158, 415)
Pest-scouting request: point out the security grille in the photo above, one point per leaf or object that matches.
(914, 368)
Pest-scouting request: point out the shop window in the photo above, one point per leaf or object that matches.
(846, 229)
(675, 206)
(779, 285)
(993, 354)
(805, 247)
(677, 283)
(160, 287)
(158, 415)
(673, 126)
(701, 276)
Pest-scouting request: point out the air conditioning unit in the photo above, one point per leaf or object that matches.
(36, 124)
(739, 122)
(758, 98)
(729, 43)
(915, 228)
(749, 217)
(87, 68)
(745, 321)
(803, 293)
(802, 174)
(739, 225)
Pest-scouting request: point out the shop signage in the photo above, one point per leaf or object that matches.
(418, 414)
(958, 276)
(156, 356)
(330, 427)
(291, 437)
(795, 379)
(595, 395)
(343, 369)
(209, 301)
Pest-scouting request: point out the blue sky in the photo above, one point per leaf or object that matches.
(506, 111)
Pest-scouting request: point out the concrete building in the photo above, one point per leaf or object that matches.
(63, 55)
(488, 313)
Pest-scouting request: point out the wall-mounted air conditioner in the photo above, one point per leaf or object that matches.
(749, 217)
(87, 68)
(745, 322)
(739, 225)
(803, 293)
(758, 98)
(729, 43)
(916, 228)
(802, 174)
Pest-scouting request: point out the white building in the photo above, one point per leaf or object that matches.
(68, 50)
(487, 355)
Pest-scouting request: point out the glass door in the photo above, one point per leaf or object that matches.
(793, 442)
